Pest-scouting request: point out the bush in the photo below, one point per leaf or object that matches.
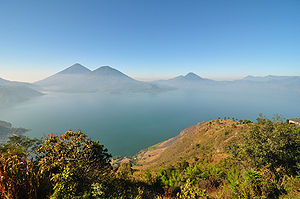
(190, 191)
(72, 162)
(18, 177)
(273, 145)
(254, 184)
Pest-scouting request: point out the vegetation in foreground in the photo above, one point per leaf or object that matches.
(261, 162)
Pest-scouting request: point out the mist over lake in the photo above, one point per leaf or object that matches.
(127, 123)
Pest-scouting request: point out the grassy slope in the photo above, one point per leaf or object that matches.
(205, 140)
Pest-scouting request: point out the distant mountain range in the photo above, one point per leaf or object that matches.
(270, 82)
(78, 78)
(12, 92)
(271, 78)
(193, 81)
(4, 82)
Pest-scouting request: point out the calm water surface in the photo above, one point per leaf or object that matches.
(127, 123)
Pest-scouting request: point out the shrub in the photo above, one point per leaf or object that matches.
(190, 191)
(72, 162)
(18, 177)
(275, 145)
(254, 184)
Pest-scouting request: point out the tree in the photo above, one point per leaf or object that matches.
(72, 162)
(18, 177)
(20, 145)
(125, 170)
(273, 144)
(18, 171)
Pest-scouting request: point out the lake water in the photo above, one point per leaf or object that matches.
(127, 123)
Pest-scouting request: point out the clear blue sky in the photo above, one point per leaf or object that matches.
(150, 39)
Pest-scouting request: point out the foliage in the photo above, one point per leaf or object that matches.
(18, 177)
(148, 176)
(262, 162)
(20, 145)
(65, 184)
(253, 184)
(260, 165)
(192, 181)
(189, 191)
(170, 178)
(72, 162)
(125, 170)
(115, 187)
(97, 190)
(275, 145)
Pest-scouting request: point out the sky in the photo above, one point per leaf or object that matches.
(150, 39)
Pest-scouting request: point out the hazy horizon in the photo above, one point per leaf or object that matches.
(139, 77)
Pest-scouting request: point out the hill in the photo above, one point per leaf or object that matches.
(78, 78)
(201, 141)
(7, 130)
(4, 82)
(225, 159)
(190, 80)
(11, 94)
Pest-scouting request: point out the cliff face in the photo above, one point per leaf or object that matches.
(201, 141)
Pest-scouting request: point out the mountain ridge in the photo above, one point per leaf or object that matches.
(109, 71)
(75, 69)
(12, 92)
(78, 78)
(188, 77)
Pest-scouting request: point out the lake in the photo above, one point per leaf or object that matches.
(127, 123)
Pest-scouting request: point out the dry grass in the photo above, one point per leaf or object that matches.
(205, 140)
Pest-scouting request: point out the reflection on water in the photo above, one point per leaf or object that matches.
(127, 123)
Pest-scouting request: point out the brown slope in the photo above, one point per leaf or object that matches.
(205, 140)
